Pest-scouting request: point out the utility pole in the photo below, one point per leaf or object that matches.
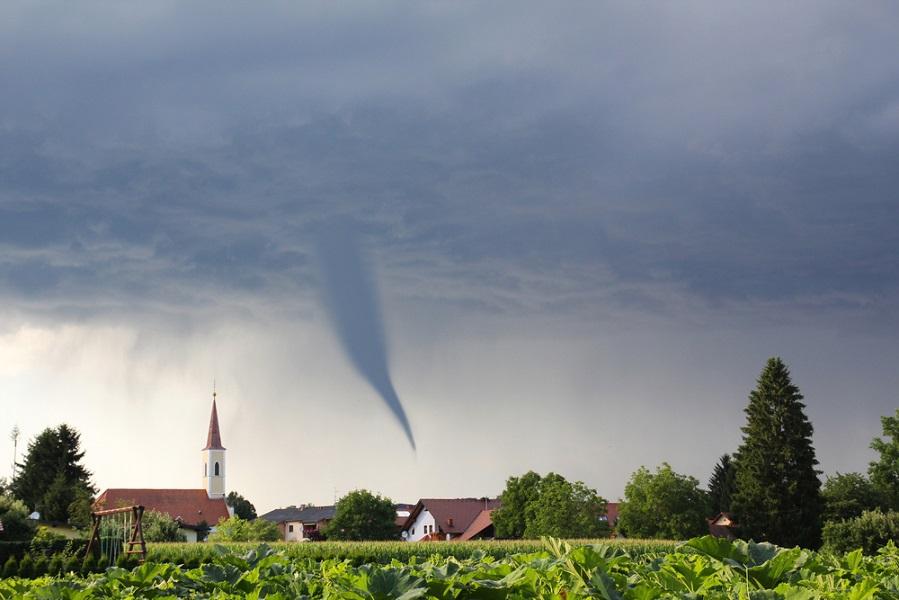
(14, 436)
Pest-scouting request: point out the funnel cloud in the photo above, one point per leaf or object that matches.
(352, 304)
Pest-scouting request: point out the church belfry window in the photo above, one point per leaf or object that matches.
(216, 469)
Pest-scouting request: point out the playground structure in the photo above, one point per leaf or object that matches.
(117, 531)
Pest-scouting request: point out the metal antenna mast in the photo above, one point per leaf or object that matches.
(14, 436)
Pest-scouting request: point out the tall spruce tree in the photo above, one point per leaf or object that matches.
(722, 484)
(778, 493)
(52, 476)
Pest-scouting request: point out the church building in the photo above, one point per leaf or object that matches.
(195, 510)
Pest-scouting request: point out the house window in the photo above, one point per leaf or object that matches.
(290, 528)
(413, 531)
(216, 469)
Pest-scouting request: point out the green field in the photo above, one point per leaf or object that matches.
(701, 568)
(357, 553)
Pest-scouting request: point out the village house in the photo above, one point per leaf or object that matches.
(450, 519)
(307, 523)
(197, 511)
(723, 526)
(300, 523)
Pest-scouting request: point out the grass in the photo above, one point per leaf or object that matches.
(66, 531)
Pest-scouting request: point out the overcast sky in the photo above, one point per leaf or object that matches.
(583, 228)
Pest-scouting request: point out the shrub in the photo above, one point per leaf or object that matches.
(235, 529)
(870, 532)
(10, 567)
(40, 566)
(126, 561)
(14, 514)
(72, 565)
(26, 567)
(89, 565)
(56, 565)
(160, 527)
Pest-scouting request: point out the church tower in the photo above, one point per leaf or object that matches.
(214, 458)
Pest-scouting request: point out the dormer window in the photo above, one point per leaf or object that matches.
(449, 521)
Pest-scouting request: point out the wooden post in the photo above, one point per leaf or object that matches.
(137, 534)
(94, 541)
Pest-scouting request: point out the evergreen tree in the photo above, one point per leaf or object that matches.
(721, 484)
(777, 497)
(51, 477)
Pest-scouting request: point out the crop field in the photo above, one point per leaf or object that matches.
(700, 568)
(358, 553)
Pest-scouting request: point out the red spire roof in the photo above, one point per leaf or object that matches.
(214, 438)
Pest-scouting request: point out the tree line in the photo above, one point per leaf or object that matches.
(769, 485)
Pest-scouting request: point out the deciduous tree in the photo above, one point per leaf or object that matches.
(243, 508)
(565, 510)
(509, 519)
(777, 497)
(534, 506)
(884, 472)
(663, 505)
(362, 515)
(848, 495)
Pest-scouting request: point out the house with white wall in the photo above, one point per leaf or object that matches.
(450, 519)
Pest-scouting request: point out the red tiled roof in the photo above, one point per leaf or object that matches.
(190, 506)
(480, 523)
(461, 512)
(214, 438)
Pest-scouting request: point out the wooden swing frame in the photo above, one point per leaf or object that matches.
(137, 531)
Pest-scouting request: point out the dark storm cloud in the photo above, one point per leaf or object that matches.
(502, 159)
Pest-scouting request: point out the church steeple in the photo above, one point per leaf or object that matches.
(214, 437)
(214, 456)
